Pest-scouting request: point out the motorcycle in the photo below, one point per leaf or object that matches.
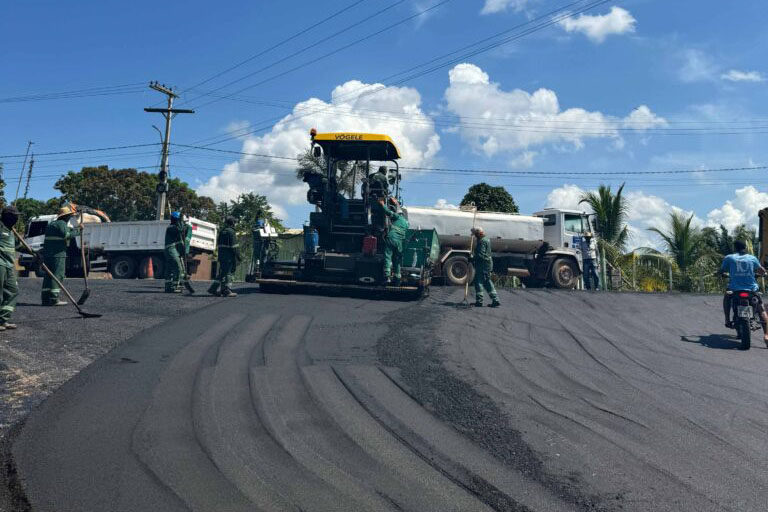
(746, 316)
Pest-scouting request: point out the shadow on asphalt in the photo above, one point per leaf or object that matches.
(719, 341)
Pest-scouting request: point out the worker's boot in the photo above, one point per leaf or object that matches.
(396, 281)
(8, 325)
(59, 303)
(226, 292)
(478, 304)
(214, 290)
(495, 303)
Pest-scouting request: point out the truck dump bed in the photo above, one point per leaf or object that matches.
(146, 235)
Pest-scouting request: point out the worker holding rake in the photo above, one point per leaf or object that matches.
(57, 236)
(9, 288)
(482, 260)
(177, 236)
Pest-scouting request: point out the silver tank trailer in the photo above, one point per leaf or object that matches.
(508, 232)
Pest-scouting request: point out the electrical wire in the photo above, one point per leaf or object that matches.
(90, 150)
(279, 44)
(335, 51)
(79, 93)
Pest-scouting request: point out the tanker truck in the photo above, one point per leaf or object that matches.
(543, 249)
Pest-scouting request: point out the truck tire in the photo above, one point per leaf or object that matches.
(38, 269)
(564, 274)
(123, 267)
(457, 270)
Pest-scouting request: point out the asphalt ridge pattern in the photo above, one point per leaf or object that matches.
(241, 416)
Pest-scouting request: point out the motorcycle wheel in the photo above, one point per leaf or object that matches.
(745, 334)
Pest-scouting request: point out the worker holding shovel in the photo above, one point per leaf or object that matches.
(9, 288)
(57, 236)
(177, 237)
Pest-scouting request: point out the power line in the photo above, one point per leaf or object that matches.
(79, 93)
(277, 45)
(499, 172)
(90, 150)
(266, 124)
(337, 50)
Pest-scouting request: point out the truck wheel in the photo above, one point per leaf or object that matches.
(457, 270)
(123, 267)
(39, 272)
(564, 274)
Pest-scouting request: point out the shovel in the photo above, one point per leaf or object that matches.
(465, 303)
(56, 279)
(87, 291)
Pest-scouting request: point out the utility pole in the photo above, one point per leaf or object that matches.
(168, 114)
(29, 174)
(21, 174)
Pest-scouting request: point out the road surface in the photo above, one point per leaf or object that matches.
(557, 401)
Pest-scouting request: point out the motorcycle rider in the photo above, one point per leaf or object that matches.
(741, 269)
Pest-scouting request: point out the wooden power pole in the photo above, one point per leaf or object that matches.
(168, 113)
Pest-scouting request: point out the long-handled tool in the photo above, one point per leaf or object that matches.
(465, 303)
(87, 291)
(56, 279)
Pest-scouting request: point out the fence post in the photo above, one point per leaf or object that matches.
(603, 268)
(634, 272)
(670, 279)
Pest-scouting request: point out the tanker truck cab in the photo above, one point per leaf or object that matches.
(564, 234)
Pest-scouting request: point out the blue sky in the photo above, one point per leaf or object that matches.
(627, 86)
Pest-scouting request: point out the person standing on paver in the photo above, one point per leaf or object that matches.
(8, 284)
(177, 237)
(229, 256)
(393, 241)
(482, 260)
(57, 236)
(589, 257)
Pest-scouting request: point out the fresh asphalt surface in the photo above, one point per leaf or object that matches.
(557, 401)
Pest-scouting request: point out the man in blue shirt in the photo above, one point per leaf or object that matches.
(741, 269)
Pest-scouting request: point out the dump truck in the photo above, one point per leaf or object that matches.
(120, 247)
(543, 249)
(344, 239)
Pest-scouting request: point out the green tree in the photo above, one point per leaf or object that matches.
(29, 208)
(349, 174)
(2, 186)
(490, 199)
(127, 194)
(246, 209)
(611, 212)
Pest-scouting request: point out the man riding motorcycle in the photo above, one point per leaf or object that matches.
(741, 268)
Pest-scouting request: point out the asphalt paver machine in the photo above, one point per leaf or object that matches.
(344, 240)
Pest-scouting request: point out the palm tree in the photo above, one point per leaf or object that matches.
(687, 250)
(611, 211)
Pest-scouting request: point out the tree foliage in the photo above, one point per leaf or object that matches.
(127, 194)
(611, 212)
(490, 199)
(246, 209)
(29, 208)
(349, 174)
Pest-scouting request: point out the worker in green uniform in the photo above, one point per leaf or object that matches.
(57, 236)
(9, 288)
(177, 237)
(393, 241)
(482, 260)
(229, 256)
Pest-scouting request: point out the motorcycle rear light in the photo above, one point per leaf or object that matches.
(743, 294)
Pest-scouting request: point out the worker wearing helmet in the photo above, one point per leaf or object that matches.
(393, 241)
(177, 237)
(8, 286)
(57, 236)
(482, 260)
(229, 256)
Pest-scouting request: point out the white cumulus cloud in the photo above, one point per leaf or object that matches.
(742, 209)
(495, 121)
(566, 197)
(495, 6)
(696, 66)
(598, 27)
(348, 111)
(734, 75)
(443, 204)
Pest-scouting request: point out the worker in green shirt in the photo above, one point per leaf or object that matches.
(57, 236)
(482, 260)
(393, 241)
(229, 255)
(9, 288)
(177, 237)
